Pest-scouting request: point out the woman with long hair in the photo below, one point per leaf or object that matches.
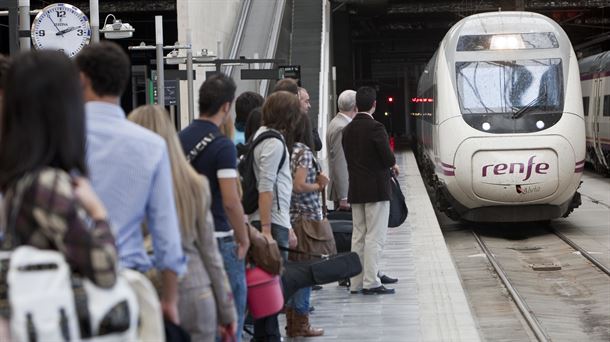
(48, 201)
(206, 301)
(274, 184)
(305, 213)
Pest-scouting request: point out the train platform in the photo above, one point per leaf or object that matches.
(429, 304)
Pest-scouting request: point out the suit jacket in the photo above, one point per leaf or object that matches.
(369, 159)
(339, 180)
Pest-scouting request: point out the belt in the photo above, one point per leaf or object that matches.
(225, 239)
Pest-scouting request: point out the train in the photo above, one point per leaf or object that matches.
(500, 128)
(595, 81)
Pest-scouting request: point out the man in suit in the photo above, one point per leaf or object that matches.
(370, 162)
(339, 180)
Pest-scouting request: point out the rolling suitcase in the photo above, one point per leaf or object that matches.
(342, 231)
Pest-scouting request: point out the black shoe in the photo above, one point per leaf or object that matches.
(316, 288)
(387, 280)
(378, 290)
(355, 291)
(344, 282)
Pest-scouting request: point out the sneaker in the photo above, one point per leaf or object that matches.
(378, 290)
(387, 280)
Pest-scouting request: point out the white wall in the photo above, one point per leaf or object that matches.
(211, 21)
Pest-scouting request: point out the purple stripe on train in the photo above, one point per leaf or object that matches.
(585, 77)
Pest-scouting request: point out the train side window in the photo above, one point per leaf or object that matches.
(607, 105)
(585, 104)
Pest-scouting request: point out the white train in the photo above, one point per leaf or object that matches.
(500, 123)
(595, 81)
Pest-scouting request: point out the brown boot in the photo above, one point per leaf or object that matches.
(303, 328)
(290, 326)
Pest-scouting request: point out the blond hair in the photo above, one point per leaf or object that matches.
(191, 190)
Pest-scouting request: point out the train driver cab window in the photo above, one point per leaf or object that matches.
(585, 105)
(506, 87)
(607, 105)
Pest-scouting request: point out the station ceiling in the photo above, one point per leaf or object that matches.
(425, 22)
(394, 39)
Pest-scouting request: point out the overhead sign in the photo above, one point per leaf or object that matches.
(289, 71)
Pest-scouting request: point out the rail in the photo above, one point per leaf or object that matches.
(582, 251)
(596, 201)
(273, 40)
(239, 30)
(531, 320)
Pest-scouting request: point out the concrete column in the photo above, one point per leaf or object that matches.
(210, 22)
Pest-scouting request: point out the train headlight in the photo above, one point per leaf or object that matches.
(540, 124)
(486, 126)
(506, 42)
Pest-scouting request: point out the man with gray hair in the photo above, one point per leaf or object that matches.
(337, 188)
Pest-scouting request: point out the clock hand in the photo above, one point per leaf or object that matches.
(58, 30)
(69, 29)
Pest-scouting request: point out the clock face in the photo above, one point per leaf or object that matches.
(61, 27)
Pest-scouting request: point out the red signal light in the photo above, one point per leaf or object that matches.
(390, 99)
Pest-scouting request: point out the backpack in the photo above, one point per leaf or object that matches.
(245, 167)
(47, 302)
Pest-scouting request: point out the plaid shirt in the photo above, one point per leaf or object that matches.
(49, 216)
(306, 204)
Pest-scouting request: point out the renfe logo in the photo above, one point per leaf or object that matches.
(511, 168)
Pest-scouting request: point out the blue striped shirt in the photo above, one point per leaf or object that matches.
(130, 171)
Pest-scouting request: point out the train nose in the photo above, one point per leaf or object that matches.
(514, 169)
(515, 176)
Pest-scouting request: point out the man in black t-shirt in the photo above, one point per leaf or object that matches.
(218, 162)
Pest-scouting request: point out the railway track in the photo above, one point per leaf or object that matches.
(582, 251)
(535, 323)
(596, 201)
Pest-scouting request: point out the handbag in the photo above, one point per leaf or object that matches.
(398, 206)
(264, 252)
(313, 236)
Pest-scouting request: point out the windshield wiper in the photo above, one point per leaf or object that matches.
(529, 106)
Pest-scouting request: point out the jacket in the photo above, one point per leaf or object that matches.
(337, 165)
(369, 159)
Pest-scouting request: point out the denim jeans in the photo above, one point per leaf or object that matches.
(300, 301)
(236, 272)
(268, 329)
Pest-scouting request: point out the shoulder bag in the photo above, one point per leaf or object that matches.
(264, 252)
(313, 236)
(398, 206)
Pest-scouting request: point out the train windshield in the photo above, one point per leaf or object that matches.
(487, 87)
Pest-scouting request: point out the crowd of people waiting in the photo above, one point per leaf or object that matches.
(111, 190)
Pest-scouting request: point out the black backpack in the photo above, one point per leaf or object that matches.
(246, 171)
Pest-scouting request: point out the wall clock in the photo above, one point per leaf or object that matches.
(61, 27)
